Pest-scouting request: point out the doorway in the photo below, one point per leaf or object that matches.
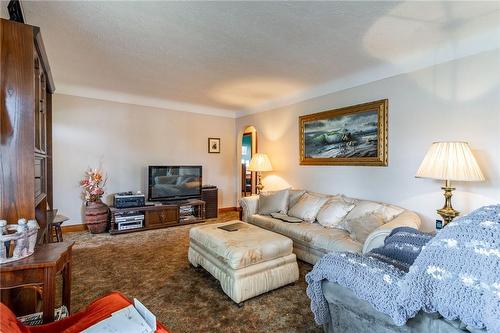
(248, 149)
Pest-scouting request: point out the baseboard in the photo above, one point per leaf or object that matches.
(73, 228)
(228, 209)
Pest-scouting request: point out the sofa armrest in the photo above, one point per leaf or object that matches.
(377, 237)
(249, 207)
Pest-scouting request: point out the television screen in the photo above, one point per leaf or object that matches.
(174, 182)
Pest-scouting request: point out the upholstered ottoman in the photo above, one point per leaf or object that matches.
(247, 262)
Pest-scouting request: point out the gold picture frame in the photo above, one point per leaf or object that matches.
(353, 135)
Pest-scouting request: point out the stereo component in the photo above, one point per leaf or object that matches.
(129, 199)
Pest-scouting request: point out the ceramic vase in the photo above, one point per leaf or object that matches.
(96, 216)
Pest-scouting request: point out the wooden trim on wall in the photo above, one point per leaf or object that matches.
(228, 209)
(73, 228)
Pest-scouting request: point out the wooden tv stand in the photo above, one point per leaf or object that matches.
(162, 216)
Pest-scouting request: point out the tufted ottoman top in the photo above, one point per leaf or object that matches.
(249, 245)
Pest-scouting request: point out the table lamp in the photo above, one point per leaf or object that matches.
(260, 163)
(449, 161)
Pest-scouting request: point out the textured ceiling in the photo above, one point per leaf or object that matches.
(222, 57)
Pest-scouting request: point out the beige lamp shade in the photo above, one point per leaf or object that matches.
(260, 162)
(450, 161)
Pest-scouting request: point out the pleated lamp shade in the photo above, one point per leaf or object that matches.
(260, 162)
(450, 161)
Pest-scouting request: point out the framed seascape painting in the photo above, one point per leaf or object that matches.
(354, 135)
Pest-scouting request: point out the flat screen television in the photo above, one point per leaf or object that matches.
(170, 183)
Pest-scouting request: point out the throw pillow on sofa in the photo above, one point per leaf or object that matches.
(273, 202)
(364, 207)
(333, 212)
(294, 197)
(362, 226)
(307, 207)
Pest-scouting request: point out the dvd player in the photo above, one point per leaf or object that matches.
(126, 225)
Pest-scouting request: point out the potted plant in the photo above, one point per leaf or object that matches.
(96, 212)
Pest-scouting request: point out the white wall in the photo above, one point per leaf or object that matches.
(459, 100)
(125, 139)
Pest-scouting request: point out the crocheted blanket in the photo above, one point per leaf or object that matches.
(373, 277)
(401, 247)
(457, 273)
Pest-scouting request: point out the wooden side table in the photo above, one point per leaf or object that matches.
(40, 269)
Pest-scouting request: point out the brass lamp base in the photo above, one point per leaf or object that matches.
(259, 182)
(447, 212)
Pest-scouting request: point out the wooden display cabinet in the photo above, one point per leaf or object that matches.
(26, 89)
(25, 125)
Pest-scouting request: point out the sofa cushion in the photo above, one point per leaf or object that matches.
(294, 196)
(307, 207)
(286, 218)
(273, 202)
(364, 207)
(332, 212)
(361, 227)
(349, 199)
(311, 235)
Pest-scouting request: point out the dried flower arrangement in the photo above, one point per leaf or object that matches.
(93, 185)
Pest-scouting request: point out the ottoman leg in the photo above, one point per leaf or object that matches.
(192, 257)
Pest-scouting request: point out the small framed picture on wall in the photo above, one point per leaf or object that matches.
(214, 145)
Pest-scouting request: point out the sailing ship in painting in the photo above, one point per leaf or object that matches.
(345, 136)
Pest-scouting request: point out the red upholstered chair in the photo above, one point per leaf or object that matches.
(95, 312)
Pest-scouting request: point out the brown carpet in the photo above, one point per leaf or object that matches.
(153, 267)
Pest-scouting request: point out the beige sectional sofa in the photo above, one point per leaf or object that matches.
(312, 240)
